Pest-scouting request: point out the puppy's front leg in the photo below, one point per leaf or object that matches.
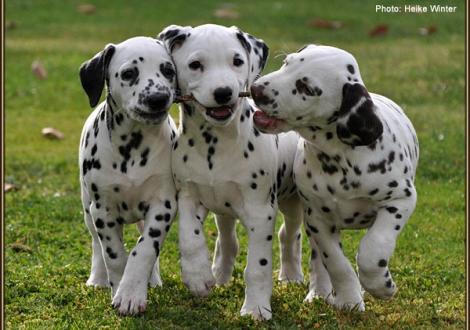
(378, 244)
(259, 224)
(108, 225)
(131, 296)
(195, 263)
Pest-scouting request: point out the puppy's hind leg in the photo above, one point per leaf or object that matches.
(98, 275)
(226, 249)
(319, 280)
(377, 247)
(290, 238)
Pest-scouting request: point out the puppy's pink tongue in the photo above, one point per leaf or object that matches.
(220, 112)
(262, 120)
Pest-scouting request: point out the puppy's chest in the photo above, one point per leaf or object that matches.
(126, 154)
(208, 158)
(126, 169)
(132, 203)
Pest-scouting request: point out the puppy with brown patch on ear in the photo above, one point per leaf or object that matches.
(354, 168)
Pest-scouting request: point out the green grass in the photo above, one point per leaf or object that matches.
(45, 287)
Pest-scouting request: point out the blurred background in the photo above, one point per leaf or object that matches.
(417, 60)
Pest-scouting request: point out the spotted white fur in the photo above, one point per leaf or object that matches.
(354, 168)
(125, 170)
(222, 163)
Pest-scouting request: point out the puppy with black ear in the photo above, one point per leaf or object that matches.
(125, 170)
(354, 167)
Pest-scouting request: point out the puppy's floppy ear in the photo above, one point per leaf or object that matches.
(358, 123)
(173, 36)
(302, 48)
(257, 52)
(93, 74)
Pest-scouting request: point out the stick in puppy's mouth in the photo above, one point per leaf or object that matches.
(186, 98)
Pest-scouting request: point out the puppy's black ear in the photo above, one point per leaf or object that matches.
(173, 36)
(358, 123)
(93, 74)
(302, 48)
(257, 52)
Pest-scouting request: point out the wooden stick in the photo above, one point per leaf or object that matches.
(186, 98)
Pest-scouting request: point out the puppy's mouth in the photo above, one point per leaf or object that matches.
(220, 113)
(152, 117)
(266, 122)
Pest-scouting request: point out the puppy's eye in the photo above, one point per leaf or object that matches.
(238, 61)
(129, 74)
(167, 70)
(195, 65)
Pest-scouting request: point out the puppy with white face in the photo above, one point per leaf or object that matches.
(125, 170)
(222, 163)
(354, 167)
(214, 72)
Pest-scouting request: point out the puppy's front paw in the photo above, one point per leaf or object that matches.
(290, 274)
(349, 303)
(130, 299)
(222, 274)
(98, 281)
(199, 282)
(314, 294)
(257, 312)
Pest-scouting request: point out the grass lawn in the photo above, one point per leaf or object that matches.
(48, 248)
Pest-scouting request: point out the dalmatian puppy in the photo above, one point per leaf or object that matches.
(125, 164)
(354, 168)
(222, 163)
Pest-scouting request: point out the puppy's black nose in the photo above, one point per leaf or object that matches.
(258, 96)
(157, 101)
(222, 95)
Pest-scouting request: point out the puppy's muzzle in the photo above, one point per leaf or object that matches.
(257, 93)
(223, 95)
(157, 102)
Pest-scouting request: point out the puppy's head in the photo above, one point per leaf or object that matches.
(214, 63)
(321, 86)
(139, 75)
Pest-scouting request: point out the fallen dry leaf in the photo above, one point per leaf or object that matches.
(19, 246)
(226, 12)
(38, 70)
(52, 133)
(379, 31)
(86, 8)
(428, 30)
(10, 25)
(325, 24)
(7, 187)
